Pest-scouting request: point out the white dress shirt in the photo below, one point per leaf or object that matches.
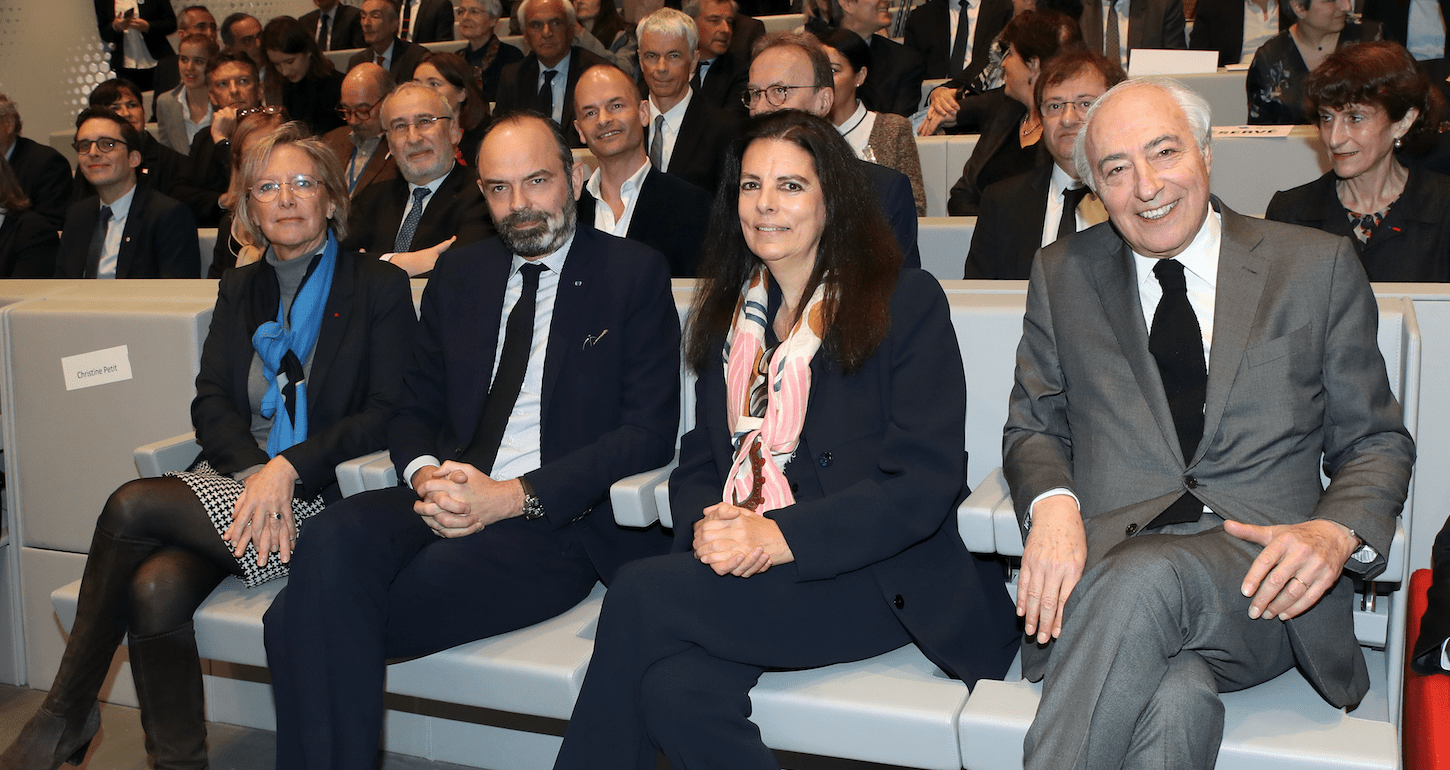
(519, 452)
(954, 15)
(857, 131)
(1259, 26)
(192, 129)
(111, 249)
(1426, 30)
(1056, 185)
(558, 86)
(673, 118)
(604, 220)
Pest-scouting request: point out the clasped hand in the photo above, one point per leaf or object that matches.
(737, 541)
(456, 499)
(262, 515)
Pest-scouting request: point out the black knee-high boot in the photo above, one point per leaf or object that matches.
(63, 728)
(167, 670)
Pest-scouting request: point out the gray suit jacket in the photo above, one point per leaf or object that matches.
(1295, 377)
(1151, 24)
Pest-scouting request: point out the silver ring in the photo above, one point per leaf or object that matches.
(278, 517)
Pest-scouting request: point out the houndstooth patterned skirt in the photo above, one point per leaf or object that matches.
(218, 493)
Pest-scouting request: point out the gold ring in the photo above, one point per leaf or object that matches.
(278, 517)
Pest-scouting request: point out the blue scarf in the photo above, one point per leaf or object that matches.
(283, 350)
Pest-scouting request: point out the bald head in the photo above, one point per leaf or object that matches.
(610, 115)
(363, 91)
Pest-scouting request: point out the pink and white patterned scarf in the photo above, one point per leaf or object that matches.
(763, 444)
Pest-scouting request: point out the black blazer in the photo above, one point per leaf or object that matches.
(28, 245)
(878, 474)
(406, 58)
(611, 395)
(44, 175)
(893, 81)
(724, 82)
(1435, 624)
(965, 198)
(314, 100)
(346, 30)
(352, 390)
(204, 178)
(1218, 25)
(434, 22)
(1009, 227)
(746, 30)
(159, 240)
(1394, 17)
(157, 13)
(457, 208)
(705, 134)
(518, 87)
(1411, 244)
(671, 217)
(893, 194)
(928, 32)
(488, 77)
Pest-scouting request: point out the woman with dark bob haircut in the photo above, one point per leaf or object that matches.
(302, 369)
(299, 77)
(1370, 100)
(453, 78)
(819, 480)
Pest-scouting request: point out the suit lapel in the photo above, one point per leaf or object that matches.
(438, 207)
(336, 315)
(569, 302)
(494, 267)
(689, 136)
(644, 207)
(135, 219)
(1241, 275)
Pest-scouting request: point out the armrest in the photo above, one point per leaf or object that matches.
(662, 503)
(633, 497)
(379, 472)
(173, 454)
(974, 515)
(350, 472)
(1395, 559)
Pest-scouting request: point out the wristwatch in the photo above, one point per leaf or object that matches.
(533, 506)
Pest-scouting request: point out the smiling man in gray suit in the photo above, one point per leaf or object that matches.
(1182, 374)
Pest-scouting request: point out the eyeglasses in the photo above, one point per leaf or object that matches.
(776, 95)
(302, 186)
(361, 112)
(1054, 109)
(267, 110)
(104, 144)
(400, 128)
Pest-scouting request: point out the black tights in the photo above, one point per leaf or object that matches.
(189, 561)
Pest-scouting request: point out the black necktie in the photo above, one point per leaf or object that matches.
(701, 70)
(405, 32)
(1071, 197)
(98, 243)
(1176, 342)
(323, 36)
(513, 362)
(958, 61)
(546, 94)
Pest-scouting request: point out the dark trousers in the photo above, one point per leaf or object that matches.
(679, 647)
(373, 583)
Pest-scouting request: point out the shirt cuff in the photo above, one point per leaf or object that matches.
(388, 257)
(1027, 525)
(422, 461)
(1445, 655)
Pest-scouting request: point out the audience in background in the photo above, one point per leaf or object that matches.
(1419, 25)
(425, 21)
(235, 244)
(43, 173)
(243, 33)
(721, 72)
(450, 75)
(28, 244)
(1115, 29)
(384, 48)
(192, 20)
(125, 230)
(879, 137)
(893, 83)
(232, 80)
(135, 32)
(685, 133)
(334, 25)
(299, 77)
(1236, 28)
(1368, 100)
(544, 80)
(487, 54)
(360, 146)
(1275, 81)
(604, 33)
(954, 40)
(627, 196)
(185, 110)
(160, 165)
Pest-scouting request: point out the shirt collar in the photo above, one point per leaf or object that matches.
(433, 185)
(1200, 258)
(676, 114)
(630, 185)
(122, 205)
(553, 261)
(1060, 181)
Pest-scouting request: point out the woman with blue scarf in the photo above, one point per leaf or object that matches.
(302, 369)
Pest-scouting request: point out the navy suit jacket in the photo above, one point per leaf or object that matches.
(704, 136)
(346, 30)
(518, 87)
(928, 32)
(1009, 228)
(724, 82)
(893, 192)
(671, 217)
(406, 57)
(434, 22)
(878, 474)
(611, 396)
(1394, 15)
(27, 246)
(159, 240)
(44, 174)
(353, 387)
(457, 209)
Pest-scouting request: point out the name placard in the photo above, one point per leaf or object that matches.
(99, 367)
(1264, 131)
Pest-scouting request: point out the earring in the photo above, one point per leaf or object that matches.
(1399, 142)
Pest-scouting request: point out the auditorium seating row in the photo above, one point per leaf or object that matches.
(500, 702)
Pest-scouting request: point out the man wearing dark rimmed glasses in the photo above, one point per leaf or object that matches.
(125, 230)
(359, 146)
(791, 71)
(232, 82)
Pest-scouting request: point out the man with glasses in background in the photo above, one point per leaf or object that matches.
(435, 204)
(359, 145)
(124, 230)
(43, 173)
(231, 79)
(384, 48)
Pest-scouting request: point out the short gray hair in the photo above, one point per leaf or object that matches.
(692, 7)
(9, 110)
(669, 22)
(409, 87)
(523, 8)
(1195, 110)
(492, 7)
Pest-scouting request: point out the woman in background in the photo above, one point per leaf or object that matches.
(1275, 81)
(450, 75)
(184, 111)
(477, 20)
(299, 77)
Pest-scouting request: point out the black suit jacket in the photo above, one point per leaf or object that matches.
(204, 179)
(1218, 25)
(611, 401)
(314, 100)
(965, 197)
(1394, 16)
(671, 217)
(157, 13)
(893, 81)
(928, 32)
(353, 387)
(159, 240)
(28, 245)
(1435, 624)
(406, 57)
(434, 22)
(44, 175)
(457, 208)
(704, 136)
(518, 87)
(1009, 228)
(893, 193)
(346, 31)
(746, 30)
(724, 82)
(878, 474)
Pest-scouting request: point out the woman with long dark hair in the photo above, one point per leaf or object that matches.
(299, 77)
(820, 479)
